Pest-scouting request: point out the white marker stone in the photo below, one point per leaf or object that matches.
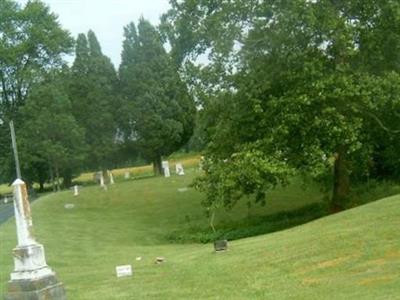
(123, 271)
(110, 175)
(179, 169)
(127, 175)
(69, 206)
(166, 172)
(165, 166)
(76, 190)
(102, 180)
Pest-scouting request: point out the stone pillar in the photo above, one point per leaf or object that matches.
(32, 278)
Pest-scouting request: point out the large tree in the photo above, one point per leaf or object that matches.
(52, 143)
(31, 43)
(310, 86)
(160, 112)
(94, 97)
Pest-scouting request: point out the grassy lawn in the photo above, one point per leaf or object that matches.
(351, 255)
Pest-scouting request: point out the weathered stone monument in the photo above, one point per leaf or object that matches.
(165, 166)
(32, 278)
(179, 169)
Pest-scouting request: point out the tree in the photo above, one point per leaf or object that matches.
(32, 42)
(50, 137)
(306, 88)
(93, 93)
(160, 111)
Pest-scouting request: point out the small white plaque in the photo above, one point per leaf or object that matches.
(124, 271)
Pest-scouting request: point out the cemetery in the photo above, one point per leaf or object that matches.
(199, 149)
(131, 223)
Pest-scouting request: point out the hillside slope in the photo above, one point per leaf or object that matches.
(350, 255)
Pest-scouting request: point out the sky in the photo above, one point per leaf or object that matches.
(106, 18)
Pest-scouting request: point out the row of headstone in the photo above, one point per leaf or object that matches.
(178, 169)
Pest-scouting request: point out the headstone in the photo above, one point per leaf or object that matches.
(220, 245)
(101, 179)
(165, 166)
(69, 206)
(124, 271)
(182, 190)
(5, 200)
(76, 190)
(127, 175)
(159, 260)
(179, 169)
(110, 175)
(32, 278)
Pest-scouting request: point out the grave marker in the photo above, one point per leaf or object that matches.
(127, 175)
(179, 169)
(32, 278)
(165, 166)
(124, 271)
(110, 175)
(76, 190)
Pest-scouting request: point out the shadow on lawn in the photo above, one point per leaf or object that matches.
(250, 226)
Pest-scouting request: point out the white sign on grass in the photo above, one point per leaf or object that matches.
(124, 271)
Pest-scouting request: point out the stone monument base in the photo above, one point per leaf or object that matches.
(45, 288)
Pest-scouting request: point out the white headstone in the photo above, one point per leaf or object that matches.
(127, 175)
(165, 166)
(76, 190)
(166, 172)
(5, 200)
(110, 175)
(102, 180)
(123, 271)
(179, 169)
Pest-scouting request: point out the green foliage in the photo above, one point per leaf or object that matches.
(244, 173)
(311, 84)
(31, 43)
(159, 113)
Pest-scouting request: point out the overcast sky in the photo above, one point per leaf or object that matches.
(106, 18)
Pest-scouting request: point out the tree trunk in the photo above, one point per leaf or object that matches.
(41, 186)
(341, 181)
(52, 178)
(57, 178)
(67, 179)
(157, 166)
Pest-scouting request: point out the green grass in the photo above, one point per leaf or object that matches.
(351, 255)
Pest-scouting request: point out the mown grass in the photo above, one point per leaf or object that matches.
(351, 255)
